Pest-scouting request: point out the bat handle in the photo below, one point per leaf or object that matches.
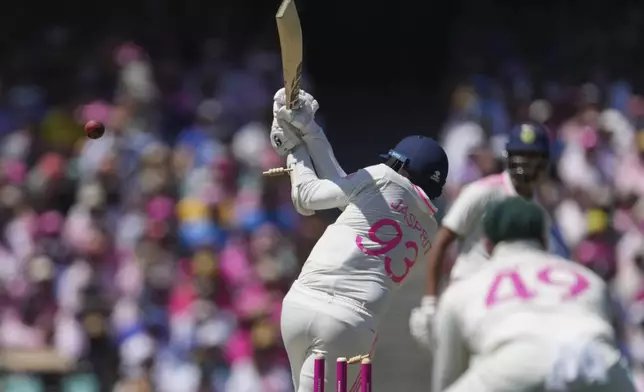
(295, 102)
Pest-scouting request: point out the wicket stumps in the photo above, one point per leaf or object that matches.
(341, 375)
(341, 381)
(318, 374)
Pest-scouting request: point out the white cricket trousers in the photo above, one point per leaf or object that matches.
(314, 322)
(530, 367)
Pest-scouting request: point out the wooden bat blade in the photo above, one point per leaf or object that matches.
(290, 34)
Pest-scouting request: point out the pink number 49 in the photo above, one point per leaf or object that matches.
(573, 285)
(387, 246)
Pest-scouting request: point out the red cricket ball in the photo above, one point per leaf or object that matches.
(94, 129)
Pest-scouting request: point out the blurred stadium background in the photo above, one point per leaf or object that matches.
(155, 258)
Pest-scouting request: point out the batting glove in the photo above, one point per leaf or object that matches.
(284, 138)
(302, 118)
(421, 322)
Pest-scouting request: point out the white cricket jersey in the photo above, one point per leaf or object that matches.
(387, 226)
(465, 218)
(523, 294)
(465, 215)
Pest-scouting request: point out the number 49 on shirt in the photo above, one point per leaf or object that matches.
(568, 284)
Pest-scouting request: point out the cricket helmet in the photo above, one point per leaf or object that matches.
(513, 219)
(528, 152)
(425, 161)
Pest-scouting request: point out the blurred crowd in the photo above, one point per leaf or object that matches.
(156, 257)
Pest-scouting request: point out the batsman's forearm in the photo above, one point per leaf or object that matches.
(436, 257)
(307, 190)
(321, 152)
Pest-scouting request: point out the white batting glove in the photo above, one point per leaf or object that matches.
(284, 138)
(421, 321)
(302, 118)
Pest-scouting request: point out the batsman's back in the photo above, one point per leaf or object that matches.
(371, 248)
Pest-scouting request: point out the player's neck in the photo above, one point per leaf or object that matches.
(518, 245)
(524, 190)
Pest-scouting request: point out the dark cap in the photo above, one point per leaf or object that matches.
(425, 160)
(529, 137)
(514, 219)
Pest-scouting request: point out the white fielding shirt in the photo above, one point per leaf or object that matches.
(387, 225)
(465, 218)
(522, 294)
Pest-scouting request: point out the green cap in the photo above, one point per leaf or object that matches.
(514, 219)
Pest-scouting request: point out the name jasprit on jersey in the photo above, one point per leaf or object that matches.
(412, 222)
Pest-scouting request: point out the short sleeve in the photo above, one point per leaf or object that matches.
(467, 210)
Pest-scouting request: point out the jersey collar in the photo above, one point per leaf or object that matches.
(511, 247)
(426, 201)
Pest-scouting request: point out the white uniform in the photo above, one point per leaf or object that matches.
(465, 218)
(346, 284)
(527, 321)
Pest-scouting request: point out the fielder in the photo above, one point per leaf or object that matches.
(528, 151)
(345, 287)
(527, 321)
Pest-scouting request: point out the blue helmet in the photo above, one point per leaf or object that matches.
(425, 161)
(530, 137)
(528, 152)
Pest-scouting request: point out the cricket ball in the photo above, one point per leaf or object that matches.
(94, 129)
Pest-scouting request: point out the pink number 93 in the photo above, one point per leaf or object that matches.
(573, 283)
(387, 246)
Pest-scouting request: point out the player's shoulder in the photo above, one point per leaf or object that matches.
(481, 191)
(542, 259)
(389, 175)
(492, 184)
(369, 174)
(459, 291)
(376, 171)
(499, 182)
(582, 270)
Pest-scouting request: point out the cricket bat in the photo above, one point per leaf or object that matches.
(290, 34)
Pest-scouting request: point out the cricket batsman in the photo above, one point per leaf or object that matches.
(527, 153)
(527, 321)
(387, 225)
